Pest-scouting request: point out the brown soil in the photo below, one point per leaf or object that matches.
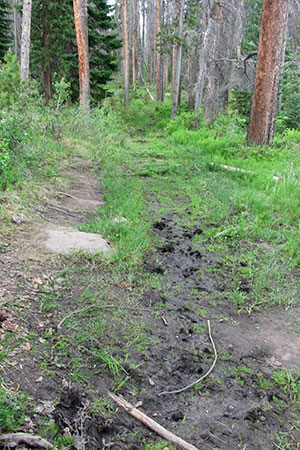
(230, 410)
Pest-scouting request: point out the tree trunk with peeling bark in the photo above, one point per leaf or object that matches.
(25, 40)
(222, 33)
(270, 47)
(81, 26)
(175, 44)
(126, 53)
(47, 68)
(176, 90)
(134, 32)
(159, 87)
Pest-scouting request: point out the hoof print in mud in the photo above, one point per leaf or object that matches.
(74, 413)
(159, 225)
(189, 271)
(151, 298)
(196, 254)
(177, 415)
(168, 248)
(154, 268)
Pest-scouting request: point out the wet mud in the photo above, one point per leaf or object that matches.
(235, 407)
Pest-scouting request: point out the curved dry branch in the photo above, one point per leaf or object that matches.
(178, 391)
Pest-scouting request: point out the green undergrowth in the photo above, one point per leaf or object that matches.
(12, 409)
(149, 160)
(151, 167)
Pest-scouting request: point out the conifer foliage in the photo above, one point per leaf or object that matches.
(5, 33)
(103, 41)
(54, 50)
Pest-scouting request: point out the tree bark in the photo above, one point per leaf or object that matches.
(25, 40)
(176, 90)
(16, 21)
(270, 47)
(175, 44)
(126, 53)
(222, 33)
(159, 88)
(81, 26)
(134, 30)
(47, 68)
(143, 39)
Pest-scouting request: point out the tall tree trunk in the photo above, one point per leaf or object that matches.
(126, 54)
(175, 45)
(270, 47)
(15, 25)
(166, 71)
(46, 68)
(159, 88)
(81, 26)
(176, 90)
(25, 40)
(223, 26)
(134, 32)
(143, 39)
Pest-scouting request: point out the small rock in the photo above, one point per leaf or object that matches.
(273, 362)
(119, 219)
(18, 218)
(151, 382)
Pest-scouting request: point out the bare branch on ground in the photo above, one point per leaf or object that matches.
(150, 423)
(178, 391)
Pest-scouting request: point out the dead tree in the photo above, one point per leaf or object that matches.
(175, 43)
(178, 63)
(134, 33)
(126, 53)
(159, 87)
(25, 40)
(270, 47)
(81, 26)
(222, 33)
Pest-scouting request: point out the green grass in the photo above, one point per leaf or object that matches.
(154, 166)
(12, 409)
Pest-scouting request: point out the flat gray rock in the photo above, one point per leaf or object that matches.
(66, 240)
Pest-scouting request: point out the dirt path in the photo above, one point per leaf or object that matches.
(239, 406)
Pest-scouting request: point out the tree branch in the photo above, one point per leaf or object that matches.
(150, 423)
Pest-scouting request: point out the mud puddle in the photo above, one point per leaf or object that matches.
(238, 405)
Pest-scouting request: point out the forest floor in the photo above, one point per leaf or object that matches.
(76, 327)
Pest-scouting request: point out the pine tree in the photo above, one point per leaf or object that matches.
(53, 42)
(54, 50)
(103, 41)
(5, 31)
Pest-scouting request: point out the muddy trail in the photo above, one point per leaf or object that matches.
(240, 405)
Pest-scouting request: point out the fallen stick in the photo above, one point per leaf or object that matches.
(13, 440)
(150, 423)
(237, 169)
(146, 87)
(164, 321)
(222, 232)
(66, 195)
(203, 376)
